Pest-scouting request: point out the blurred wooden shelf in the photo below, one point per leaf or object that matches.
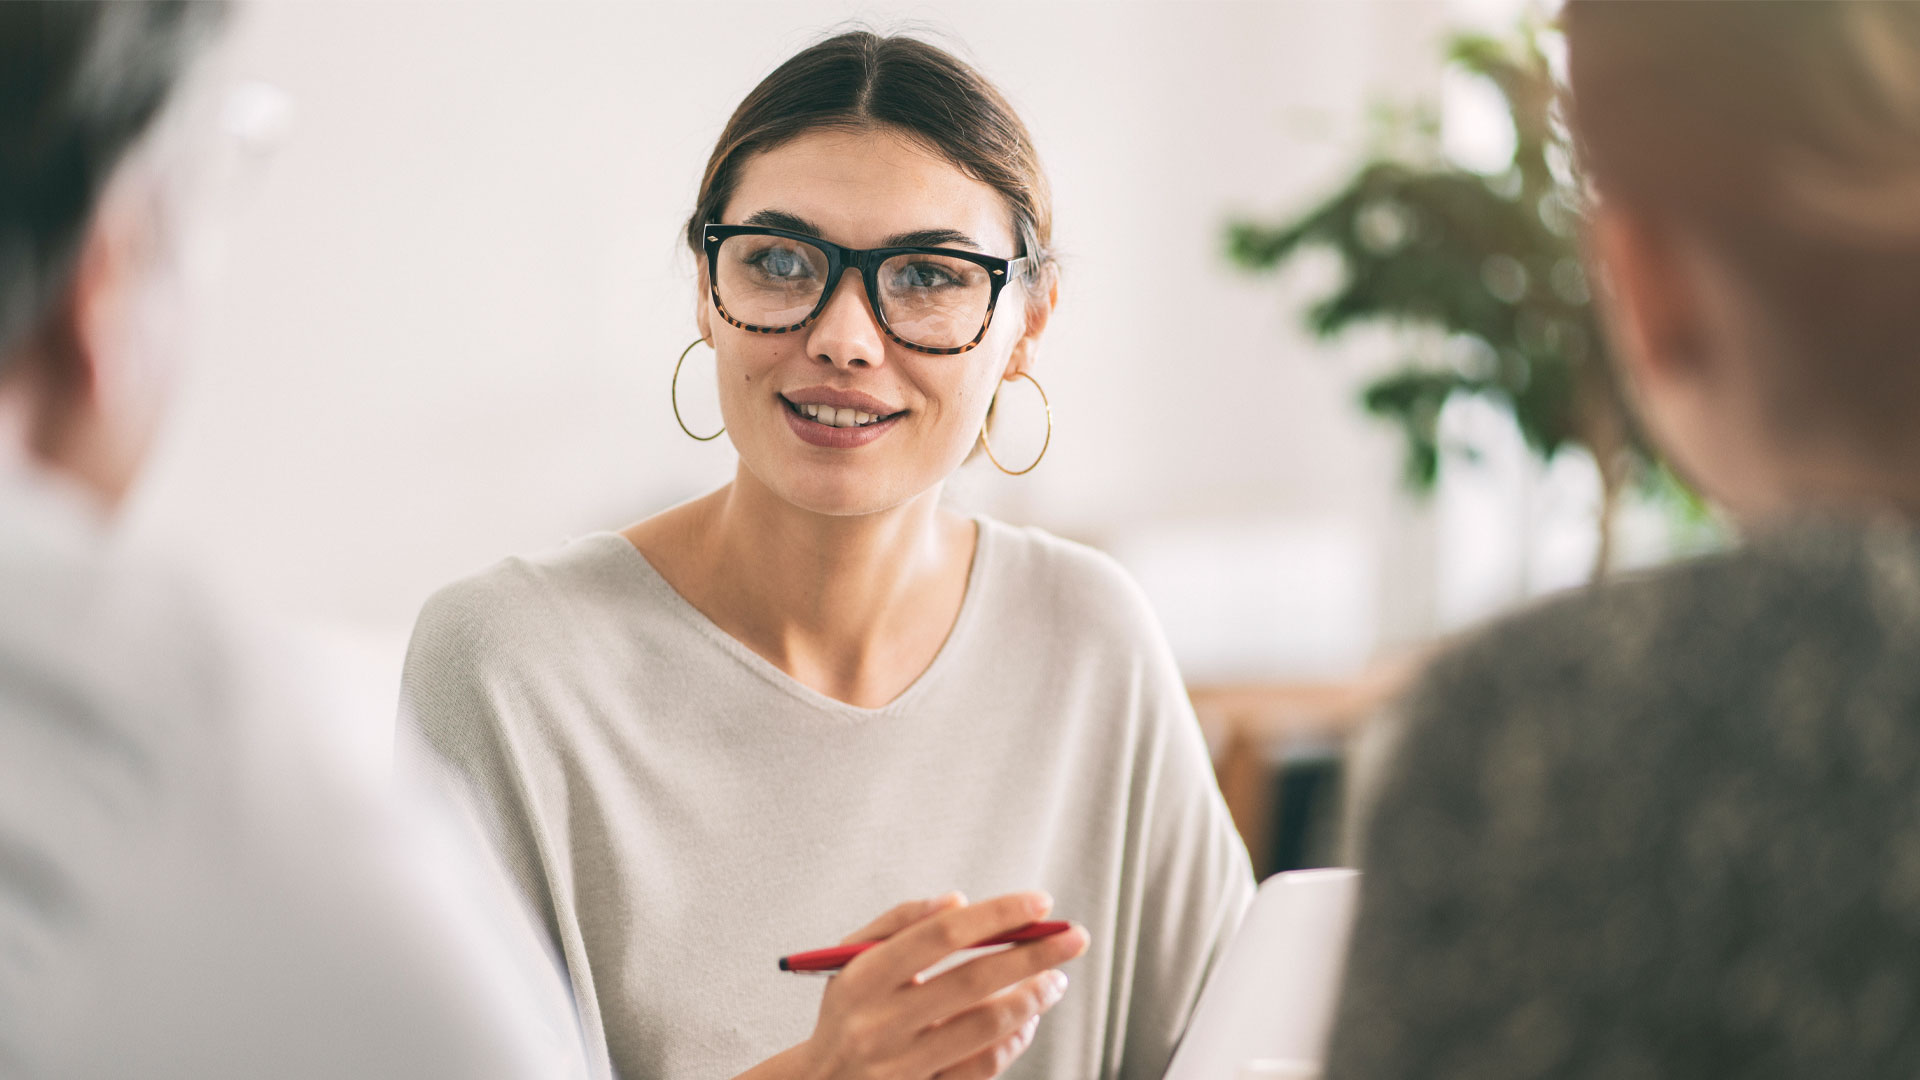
(1251, 725)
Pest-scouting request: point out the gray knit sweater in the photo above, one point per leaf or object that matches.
(1666, 828)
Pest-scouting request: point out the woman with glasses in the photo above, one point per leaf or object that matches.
(745, 725)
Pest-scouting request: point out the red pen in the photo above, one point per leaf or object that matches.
(837, 957)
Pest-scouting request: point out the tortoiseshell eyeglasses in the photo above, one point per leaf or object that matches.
(931, 299)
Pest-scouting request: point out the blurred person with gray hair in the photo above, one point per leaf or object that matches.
(1670, 826)
(192, 882)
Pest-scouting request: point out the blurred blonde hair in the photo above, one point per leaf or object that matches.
(1866, 188)
(1787, 135)
(1797, 116)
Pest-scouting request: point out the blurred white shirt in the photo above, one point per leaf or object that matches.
(195, 880)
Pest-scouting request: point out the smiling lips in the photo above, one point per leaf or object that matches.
(838, 419)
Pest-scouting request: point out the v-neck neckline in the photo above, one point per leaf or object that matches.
(651, 580)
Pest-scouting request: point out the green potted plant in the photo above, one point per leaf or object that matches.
(1489, 265)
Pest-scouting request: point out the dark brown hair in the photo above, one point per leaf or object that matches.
(80, 83)
(861, 80)
(1785, 134)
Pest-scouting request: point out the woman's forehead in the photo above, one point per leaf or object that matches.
(863, 188)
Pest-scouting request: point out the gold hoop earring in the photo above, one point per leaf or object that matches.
(1044, 404)
(673, 394)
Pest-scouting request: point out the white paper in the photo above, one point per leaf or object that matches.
(1272, 994)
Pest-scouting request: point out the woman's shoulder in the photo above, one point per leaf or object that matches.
(1813, 627)
(1733, 613)
(527, 597)
(1074, 584)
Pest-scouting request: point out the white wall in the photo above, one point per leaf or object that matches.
(456, 298)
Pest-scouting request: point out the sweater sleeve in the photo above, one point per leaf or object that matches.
(451, 732)
(467, 726)
(1189, 878)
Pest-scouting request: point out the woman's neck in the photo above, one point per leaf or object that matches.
(855, 607)
(1833, 475)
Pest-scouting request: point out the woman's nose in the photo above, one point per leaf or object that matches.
(847, 333)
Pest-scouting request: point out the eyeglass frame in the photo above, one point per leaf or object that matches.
(867, 261)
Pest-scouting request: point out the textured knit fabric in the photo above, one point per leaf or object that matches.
(1667, 828)
(684, 813)
(194, 883)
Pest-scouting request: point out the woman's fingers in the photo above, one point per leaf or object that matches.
(916, 948)
(967, 1023)
(990, 1023)
(952, 992)
(993, 1060)
(903, 916)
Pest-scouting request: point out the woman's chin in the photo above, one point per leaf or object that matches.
(841, 491)
(844, 503)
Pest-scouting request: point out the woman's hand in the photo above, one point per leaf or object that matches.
(879, 1021)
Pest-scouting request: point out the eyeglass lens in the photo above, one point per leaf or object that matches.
(934, 301)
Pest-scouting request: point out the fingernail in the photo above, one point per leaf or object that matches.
(1056, 986)
(1039, 903)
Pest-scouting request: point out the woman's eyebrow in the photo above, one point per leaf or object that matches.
(780, 219)
(933, 238)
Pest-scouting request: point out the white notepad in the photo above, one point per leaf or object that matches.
(1271, 995)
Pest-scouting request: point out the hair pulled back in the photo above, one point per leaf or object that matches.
(863, 81)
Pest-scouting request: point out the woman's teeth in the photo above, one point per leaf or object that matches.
(832, 417)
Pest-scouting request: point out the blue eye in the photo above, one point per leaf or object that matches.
(923, 275)
(782, 263)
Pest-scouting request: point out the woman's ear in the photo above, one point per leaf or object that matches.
(106, 354)
(702, 305)
(1026, 351)
(1651, 296)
